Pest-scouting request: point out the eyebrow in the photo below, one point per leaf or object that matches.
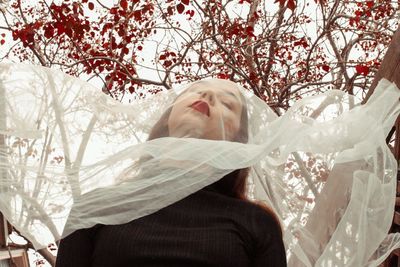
(233, 95)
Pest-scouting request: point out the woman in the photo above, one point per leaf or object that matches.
(216, 226)
(323, 166)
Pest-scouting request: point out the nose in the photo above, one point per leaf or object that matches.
(209, 95)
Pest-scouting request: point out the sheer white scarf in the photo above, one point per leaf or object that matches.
(323, 166)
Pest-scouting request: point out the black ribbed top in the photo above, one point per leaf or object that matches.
(206, 228)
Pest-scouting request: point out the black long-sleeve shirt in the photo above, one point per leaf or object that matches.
(206, 228)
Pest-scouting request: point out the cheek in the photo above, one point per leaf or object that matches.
(178, 108)
(171, 119)
(174, 117)
(232, 125)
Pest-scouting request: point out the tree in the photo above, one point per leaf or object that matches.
(281, 51)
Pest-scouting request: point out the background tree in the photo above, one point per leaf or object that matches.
(280, 50)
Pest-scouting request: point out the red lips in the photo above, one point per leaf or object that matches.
(201, 107)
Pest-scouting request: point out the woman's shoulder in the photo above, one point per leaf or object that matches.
(264, 220)
(263, 211)
(267, 230)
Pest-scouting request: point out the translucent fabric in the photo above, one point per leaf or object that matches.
(73, 157)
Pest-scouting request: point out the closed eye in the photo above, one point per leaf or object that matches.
(228, 105)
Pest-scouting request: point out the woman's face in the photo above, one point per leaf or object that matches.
(208, 109)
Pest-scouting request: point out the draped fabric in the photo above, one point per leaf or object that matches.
(72, 157)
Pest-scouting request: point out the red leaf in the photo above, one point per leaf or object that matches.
(322, 2)
(370, 4)
(358, 13)
(91, 6)
(291, 4)
(301, 42)
(180, 8)
(223, 76)
(363, 70)
(2, 42)
(124, 4)
(186, 2)
(15, 34)
(60, 28)
(3, 35)
(235, 31)
(138, 15)
(326, 68)
(190, 13)
(162, 57)
(250, 31)
(170, 10)
(281, 2)
(140, 48)
(48, 31)
(86, 47)
(68, 32)
(167, 63)
(253, 77)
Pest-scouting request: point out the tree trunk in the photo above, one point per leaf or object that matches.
(3, 173)
(390, 67)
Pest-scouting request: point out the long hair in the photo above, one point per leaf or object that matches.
(234, 184)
